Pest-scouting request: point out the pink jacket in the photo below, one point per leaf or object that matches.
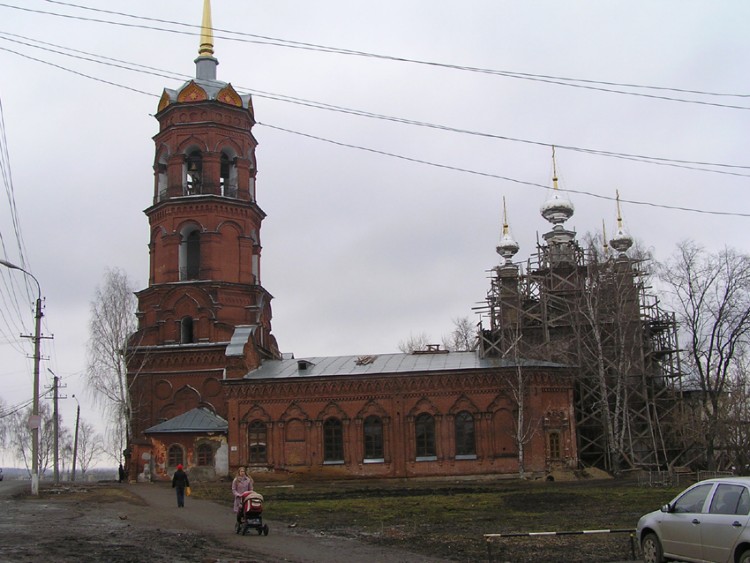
(240, 485)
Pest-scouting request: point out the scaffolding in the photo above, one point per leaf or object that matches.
(592, 311)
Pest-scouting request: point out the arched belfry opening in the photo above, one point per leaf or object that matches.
(228, 176)
(193, 173)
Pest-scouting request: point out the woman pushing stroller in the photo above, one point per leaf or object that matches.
(248, 505)
(241, 484)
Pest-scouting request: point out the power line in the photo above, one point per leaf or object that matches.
(499, 177)
(596, 85)
(134, 67)
(455, 168)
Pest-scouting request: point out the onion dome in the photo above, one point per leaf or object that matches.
(558, 208)
(508, 246)
(622, 241)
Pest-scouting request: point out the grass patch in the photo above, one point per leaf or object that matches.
(447, 519)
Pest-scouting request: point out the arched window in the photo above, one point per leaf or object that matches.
(190, 254)
(373, 438)
(256, 442)
(205, 454)
(161, 178)
(194, 173)
(424, 434)
(465, 442)
(175, 455)
(333, 440)
(186, 330)
(228, 175)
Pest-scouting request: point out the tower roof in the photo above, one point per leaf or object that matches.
(205, 86)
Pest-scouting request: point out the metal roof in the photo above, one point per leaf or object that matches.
(382, 364)
(200, 419)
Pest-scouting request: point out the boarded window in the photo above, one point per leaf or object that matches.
(193, 255)
(295, 431)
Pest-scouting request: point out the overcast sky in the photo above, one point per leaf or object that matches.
(361, 249)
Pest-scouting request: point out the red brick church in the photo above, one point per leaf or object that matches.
(210, 388)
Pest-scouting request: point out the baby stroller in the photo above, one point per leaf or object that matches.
(251, 514)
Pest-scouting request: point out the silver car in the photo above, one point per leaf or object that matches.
(706, 522)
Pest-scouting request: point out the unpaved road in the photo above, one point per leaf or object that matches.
(141, 522)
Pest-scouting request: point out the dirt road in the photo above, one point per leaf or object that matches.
(141, 522)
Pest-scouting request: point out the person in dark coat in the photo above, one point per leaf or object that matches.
(121, 473)
(179, 483)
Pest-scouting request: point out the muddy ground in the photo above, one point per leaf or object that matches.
(135, 523)
(140, 522)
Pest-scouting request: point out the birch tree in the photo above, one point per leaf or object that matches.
(89, 446)
(711, 295)
(463, 338)
(415, 343)
(112, 322)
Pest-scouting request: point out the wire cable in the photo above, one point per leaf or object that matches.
(500, 177)
(393, 155)
(601, 86)
(678, 163)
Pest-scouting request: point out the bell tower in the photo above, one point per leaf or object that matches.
(205, 316)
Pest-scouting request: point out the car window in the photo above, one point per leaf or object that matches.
(692, 500)
(727, 499)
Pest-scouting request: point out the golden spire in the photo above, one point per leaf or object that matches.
(505, 218)
(619, 215)
(554, 169)
(206, 48)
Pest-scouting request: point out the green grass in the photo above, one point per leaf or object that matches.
(448, 518)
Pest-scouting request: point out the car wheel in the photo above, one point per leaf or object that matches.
(651, 548)
(745, 557)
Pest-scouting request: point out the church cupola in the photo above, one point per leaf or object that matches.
(561, 243)
(622, 241)
(557, 208)
(508, 247)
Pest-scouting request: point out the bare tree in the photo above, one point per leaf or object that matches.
(520, 387)
(464, 336)
(89, 445)
(735, 435)
(711, 294)
(4, 421)
(112, 322)
(19, 437)
(415, 343)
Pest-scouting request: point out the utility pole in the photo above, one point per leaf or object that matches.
(34, 419)
(57, 431)
(75, 440)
